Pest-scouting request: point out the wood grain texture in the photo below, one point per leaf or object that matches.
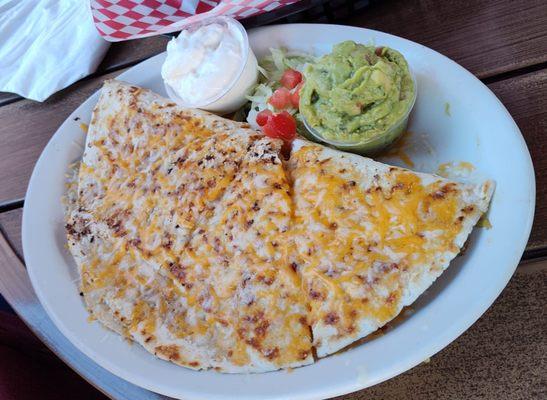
(487, 37)
(10, 228)
(119, 55)
(526, 99)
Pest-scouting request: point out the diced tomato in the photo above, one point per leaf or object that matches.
(262, 117)
(281, 98)
(291, 78)
(281, 126)
(295, 95)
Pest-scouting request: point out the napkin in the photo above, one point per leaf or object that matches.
(45, 45)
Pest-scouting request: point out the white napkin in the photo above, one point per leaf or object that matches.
(45, 45)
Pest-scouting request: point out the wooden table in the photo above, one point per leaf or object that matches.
(504, 43)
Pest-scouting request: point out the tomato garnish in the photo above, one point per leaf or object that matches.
(291, 78)
(262, 117)
(295, 95)
(280, 126)
(281, 98)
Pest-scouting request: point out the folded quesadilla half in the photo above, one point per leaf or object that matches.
(370, 238)
(152, 179)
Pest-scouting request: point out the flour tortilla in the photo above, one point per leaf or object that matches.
(370, 238)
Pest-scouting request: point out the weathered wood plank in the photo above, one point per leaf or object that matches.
(10, 227)
(525, 98)
(488, 37)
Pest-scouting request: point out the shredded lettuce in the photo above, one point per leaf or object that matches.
(271, 69)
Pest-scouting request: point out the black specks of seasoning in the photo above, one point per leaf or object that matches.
(180, 160)
(77, 119)
(255, 207)
(177, 226)
(210, 157)
(294, 266)
(315, 295)
(82, 294)
(331, 318)
(352, 183)
(250, 222)
(468, 209)
(170, 170)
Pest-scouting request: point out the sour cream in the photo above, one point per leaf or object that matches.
(210, 66)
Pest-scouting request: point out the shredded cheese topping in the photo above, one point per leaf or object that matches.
(194, 239)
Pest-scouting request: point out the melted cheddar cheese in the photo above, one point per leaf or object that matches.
(363, 235)
(195, 240)
(182, 221)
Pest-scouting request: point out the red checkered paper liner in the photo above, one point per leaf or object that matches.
(119, 20)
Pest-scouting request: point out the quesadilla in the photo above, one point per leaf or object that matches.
(150, 175)
(369, 238)
(196, 240)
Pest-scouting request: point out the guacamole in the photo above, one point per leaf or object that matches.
(356, 93)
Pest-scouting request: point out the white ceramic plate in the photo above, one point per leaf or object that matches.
(479, 130)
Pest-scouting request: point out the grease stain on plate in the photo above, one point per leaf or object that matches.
(400, 148)
(454, 170)
(84, 127)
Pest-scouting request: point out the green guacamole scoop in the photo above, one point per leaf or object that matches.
(357, 98)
